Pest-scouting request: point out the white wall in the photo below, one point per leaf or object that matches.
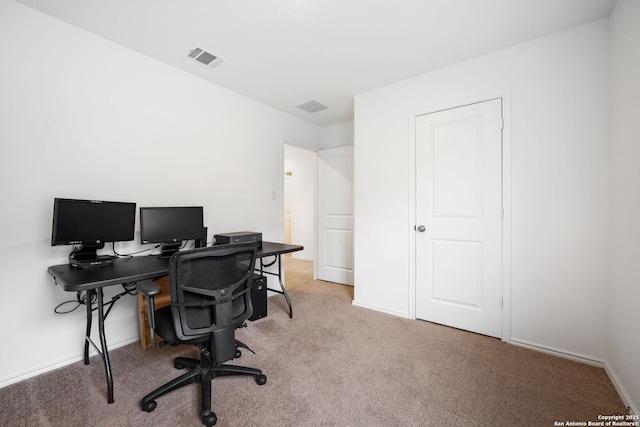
(559, 122)
(623, 332)
(303, 163)
(85, 118)
(338, 135)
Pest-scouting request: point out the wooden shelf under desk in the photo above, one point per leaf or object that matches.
(162, 300)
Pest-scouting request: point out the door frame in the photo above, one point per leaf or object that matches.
(505, 95)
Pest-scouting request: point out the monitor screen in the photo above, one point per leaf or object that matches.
(171, 224)
(92, 221)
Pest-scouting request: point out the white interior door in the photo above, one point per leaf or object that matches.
(459, 217)
(335, 215)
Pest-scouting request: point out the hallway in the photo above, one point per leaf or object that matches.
(297, 272)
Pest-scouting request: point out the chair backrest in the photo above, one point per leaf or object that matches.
(211, 294)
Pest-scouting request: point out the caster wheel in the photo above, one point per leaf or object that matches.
(148, 406)
(178, 365)
(209, 419)
(261, 379)
(237, 355)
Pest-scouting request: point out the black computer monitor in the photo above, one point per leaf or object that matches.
(88, 224)
(170, 226)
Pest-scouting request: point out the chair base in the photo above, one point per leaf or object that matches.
(202, 371)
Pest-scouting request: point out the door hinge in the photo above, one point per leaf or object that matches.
(501, 302)
(501, 123)
(502, 213)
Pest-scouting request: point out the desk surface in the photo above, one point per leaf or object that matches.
(126, 270)
(271, 248)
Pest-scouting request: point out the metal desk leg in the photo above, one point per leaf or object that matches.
(282, 290)
(103, 351)
(89, 296)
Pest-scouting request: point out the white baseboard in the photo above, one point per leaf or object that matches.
(622, 392)
(558, 352)
(380, 309)
(42, 369)
(61, 363)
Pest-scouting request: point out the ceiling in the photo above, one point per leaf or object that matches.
(286, 52)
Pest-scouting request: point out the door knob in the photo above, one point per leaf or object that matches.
(420, 228)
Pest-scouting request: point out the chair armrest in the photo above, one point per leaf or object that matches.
(150, 289)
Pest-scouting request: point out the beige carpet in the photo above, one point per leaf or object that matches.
(333, 364)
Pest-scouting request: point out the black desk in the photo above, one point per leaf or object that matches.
(276, 250)
(125, 270)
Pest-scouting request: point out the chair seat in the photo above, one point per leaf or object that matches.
(164, 328)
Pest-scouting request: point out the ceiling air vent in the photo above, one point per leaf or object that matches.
(206, 58)
(312, 106)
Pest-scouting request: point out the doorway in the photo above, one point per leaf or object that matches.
(299, 191)
(288, 206)
(459, 217)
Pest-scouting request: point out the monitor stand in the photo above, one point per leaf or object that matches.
(169, 248)
(86, 256)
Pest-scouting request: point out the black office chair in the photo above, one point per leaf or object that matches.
(210, 297)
